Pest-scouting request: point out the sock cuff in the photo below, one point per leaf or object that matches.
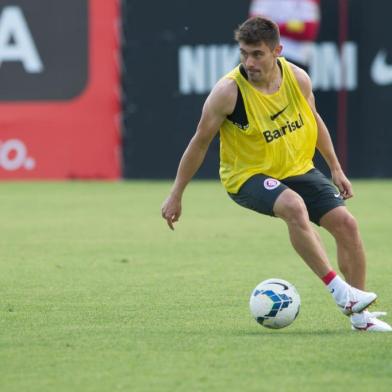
(329, 277)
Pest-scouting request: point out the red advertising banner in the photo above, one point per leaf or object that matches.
(59, 89)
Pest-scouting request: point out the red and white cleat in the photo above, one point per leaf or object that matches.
(355, 301)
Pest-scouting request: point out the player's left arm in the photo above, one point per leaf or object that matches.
(324, 141)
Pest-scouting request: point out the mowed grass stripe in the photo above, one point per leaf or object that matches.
(97, 294)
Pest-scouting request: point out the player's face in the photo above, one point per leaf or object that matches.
(259, 59)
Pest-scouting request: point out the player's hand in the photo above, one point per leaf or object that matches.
(343, 184)
(171, 210)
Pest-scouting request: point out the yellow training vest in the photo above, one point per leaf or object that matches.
(280, 140)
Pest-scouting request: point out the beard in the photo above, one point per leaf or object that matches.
(254, 75)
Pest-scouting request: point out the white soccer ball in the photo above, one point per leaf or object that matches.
(275, 303)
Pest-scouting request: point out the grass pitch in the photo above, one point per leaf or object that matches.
(97, 294)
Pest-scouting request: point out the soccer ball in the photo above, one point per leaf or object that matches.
(275, 303)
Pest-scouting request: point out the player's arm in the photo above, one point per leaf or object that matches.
(324, 142)
(217, 106)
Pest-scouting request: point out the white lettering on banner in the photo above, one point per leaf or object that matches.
(16, 41)
(13, 156)
(201, 66)
(381, 71)
(331, 70)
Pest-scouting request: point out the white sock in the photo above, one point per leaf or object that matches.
(338, 288)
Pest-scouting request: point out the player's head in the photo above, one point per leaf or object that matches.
(256, 30)
(259, 42)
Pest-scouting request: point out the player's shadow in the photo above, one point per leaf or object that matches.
(279, 333)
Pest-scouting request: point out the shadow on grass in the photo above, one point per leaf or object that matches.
(279, 333)
(264, 333)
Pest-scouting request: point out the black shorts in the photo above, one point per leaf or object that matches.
(260, 192)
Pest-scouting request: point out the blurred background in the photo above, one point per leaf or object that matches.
(110, 89)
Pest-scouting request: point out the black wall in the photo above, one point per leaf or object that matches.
(159, 118)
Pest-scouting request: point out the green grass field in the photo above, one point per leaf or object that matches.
(97, 294)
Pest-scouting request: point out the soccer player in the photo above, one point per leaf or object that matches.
(269, 129)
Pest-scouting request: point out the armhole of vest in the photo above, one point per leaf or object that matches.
(239, 116)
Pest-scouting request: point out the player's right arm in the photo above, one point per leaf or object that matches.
(219, 104)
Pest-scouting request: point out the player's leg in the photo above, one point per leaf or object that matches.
(291, 208)
(271, 197)
(352, 262)
(326, 208)
(321, 197)
(350, 251)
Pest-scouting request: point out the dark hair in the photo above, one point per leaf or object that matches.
(256, 30)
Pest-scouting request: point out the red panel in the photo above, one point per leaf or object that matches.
(77, 138)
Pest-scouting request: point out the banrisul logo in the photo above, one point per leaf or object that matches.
(289, 127)
(43, 49)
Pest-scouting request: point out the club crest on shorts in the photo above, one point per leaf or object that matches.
(271, 183)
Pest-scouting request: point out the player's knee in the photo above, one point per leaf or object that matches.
(347, 225)
(292, 209)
